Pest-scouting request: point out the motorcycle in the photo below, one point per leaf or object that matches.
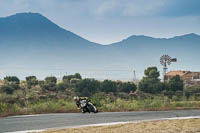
(87, 106)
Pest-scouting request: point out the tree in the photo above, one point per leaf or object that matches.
(11, 83)
(51, 79)
(176, 84)
(70, 77)
(50, 83)
(87, 87)
(192, 91)
(151, 82)
(12, 79)
(77, 76)
(152, 73)
(108, 86)
(127, 87)
(67, 78)
(63, 86)
(7, 89)
(31, 81)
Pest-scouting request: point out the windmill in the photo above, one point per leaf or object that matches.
(166, 60)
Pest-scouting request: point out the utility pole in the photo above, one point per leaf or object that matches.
(134, 77)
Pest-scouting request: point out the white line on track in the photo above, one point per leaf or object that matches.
(27, 131)
(22, 116)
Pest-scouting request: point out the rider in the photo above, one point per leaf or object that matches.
(84, 104)
(79, 99)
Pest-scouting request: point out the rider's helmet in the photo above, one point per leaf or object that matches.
(76, 98)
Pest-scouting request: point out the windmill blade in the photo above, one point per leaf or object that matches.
(173, 60)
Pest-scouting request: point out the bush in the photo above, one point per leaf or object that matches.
(87, 87)
(45, 107)
(127, 87)
(31, 81)
(69, 77)
(108, 86)
(190, 91)
(97, 98)
(176, 84)
(3, 107)
(50, 86)
(62, 86)
(192, 98)
(50, 83)
(9, 89)
(41, 83)
(175, 98)
(12, 79)
(51, 79)
(150, 86)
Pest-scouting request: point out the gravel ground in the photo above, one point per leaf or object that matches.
(159, 126)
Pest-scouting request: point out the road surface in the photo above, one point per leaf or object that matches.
(44, 121)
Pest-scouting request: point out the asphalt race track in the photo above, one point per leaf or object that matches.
(44, 121)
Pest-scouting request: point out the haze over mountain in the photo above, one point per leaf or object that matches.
(30, 44)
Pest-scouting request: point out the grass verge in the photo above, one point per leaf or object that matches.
(103, 105)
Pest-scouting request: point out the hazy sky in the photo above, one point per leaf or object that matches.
(107, 21)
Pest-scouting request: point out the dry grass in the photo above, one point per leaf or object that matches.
(162, 126)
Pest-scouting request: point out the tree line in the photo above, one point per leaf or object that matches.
(150, 83)
(82, 87)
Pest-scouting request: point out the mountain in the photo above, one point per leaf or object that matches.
(33, 40)
(35, 27)
(30, 44)
(146, 51)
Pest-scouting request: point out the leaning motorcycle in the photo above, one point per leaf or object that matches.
(87, 106)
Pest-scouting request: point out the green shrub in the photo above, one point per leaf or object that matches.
(108, 86)
(3, 107)
(175, 98)
(31, 81)
(87, 87)
(45, 107)
(176, 84)
(70, 77)
(12, 79)
(97, 99)
(190, 91)
(127, 87)
(51, 79)
(50, 83)
(192, 98)
(62, 86)
(7, 89)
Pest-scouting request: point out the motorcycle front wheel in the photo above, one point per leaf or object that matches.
(92, 108)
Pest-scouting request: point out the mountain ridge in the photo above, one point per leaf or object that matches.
(31, 40)
(28, 26)
(27, 16)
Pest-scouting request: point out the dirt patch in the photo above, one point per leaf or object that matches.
(161, 126)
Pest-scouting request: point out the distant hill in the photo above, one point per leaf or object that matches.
(30, 44)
